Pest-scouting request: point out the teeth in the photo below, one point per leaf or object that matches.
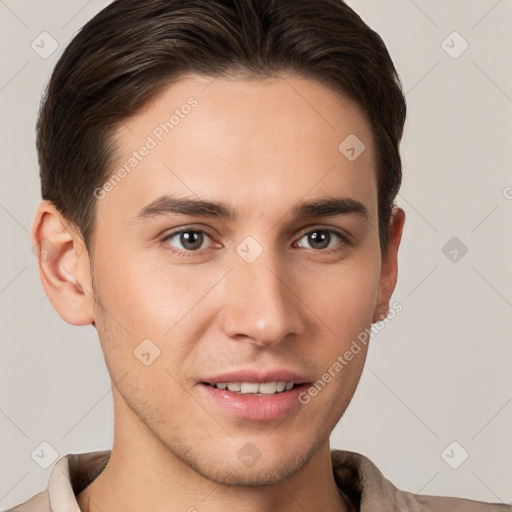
(268, 388)
(249, 387)
(265, 388)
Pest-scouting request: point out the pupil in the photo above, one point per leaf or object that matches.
(320, 237)
(192, 238)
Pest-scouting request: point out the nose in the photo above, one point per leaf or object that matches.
(260, 304)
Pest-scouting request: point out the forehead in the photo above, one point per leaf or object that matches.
(252, 144)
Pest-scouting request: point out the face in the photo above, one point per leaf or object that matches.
(264, 287)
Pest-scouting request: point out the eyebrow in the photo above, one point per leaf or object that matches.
(320, 207)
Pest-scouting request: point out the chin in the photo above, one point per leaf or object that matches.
(248, 467)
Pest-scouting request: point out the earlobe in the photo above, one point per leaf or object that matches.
(389, 267)
(63, 264)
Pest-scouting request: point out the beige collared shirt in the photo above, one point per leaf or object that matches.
(355, 474)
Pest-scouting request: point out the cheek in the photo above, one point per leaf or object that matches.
(345, 297)
(147, 299)
(154, 301)
(141, 362)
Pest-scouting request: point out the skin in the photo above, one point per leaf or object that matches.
(261, 147)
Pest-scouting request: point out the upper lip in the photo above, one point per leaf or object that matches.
(252, 375)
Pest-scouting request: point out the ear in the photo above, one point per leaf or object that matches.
(389, 265)
(63, 263)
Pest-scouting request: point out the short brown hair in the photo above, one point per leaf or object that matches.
(132, 49)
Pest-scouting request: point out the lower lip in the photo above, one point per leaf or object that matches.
(256, 407)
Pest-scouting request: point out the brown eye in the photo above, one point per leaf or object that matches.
(319, 239)
(187, 240)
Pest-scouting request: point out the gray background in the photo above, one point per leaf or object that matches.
(438, 373)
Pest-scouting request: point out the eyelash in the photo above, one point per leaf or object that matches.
(345, 240)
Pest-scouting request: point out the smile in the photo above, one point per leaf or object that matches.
(252, 388)
(256, 401)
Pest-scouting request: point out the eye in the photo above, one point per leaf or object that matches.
(321, 239)
(187, 240)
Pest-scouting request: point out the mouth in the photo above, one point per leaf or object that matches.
(254, 396)
(255, 388)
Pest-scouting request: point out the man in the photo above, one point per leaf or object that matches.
(218, 182)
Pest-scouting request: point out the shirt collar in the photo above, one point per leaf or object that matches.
(356, 476)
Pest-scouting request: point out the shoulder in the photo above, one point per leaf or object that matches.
(38, 503)
(423, 502)
(370, 490)
(70, 475)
